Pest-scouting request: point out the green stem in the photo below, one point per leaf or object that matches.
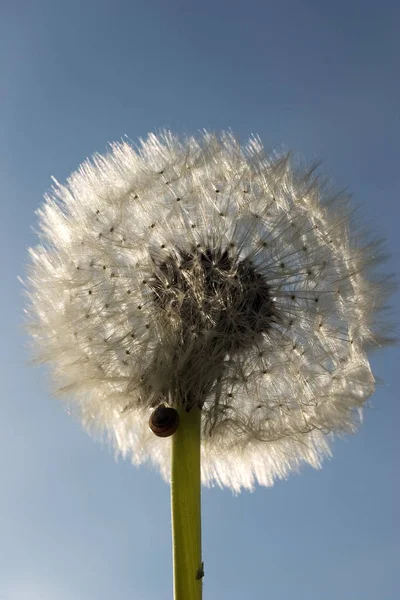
(186, 507)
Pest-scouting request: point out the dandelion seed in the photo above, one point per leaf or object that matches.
(233, 295)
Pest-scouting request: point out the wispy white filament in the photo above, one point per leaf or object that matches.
(117, 348)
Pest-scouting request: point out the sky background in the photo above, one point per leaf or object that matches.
(319, 77)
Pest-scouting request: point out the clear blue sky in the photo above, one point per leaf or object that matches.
(319, 77)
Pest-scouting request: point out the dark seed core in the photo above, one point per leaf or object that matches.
(212, 291)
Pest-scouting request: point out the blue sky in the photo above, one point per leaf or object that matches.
(318, 77)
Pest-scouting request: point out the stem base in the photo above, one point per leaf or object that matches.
(186, 506)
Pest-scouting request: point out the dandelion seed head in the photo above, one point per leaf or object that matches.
(202, 272)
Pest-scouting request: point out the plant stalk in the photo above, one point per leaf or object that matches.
(186, 507)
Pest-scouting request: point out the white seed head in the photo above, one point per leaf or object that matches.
(202, 272)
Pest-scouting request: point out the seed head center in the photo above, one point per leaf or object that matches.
(211, 292)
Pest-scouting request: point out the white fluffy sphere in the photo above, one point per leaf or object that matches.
(199, 271)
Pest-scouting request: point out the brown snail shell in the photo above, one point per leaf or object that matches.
(164, 421)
